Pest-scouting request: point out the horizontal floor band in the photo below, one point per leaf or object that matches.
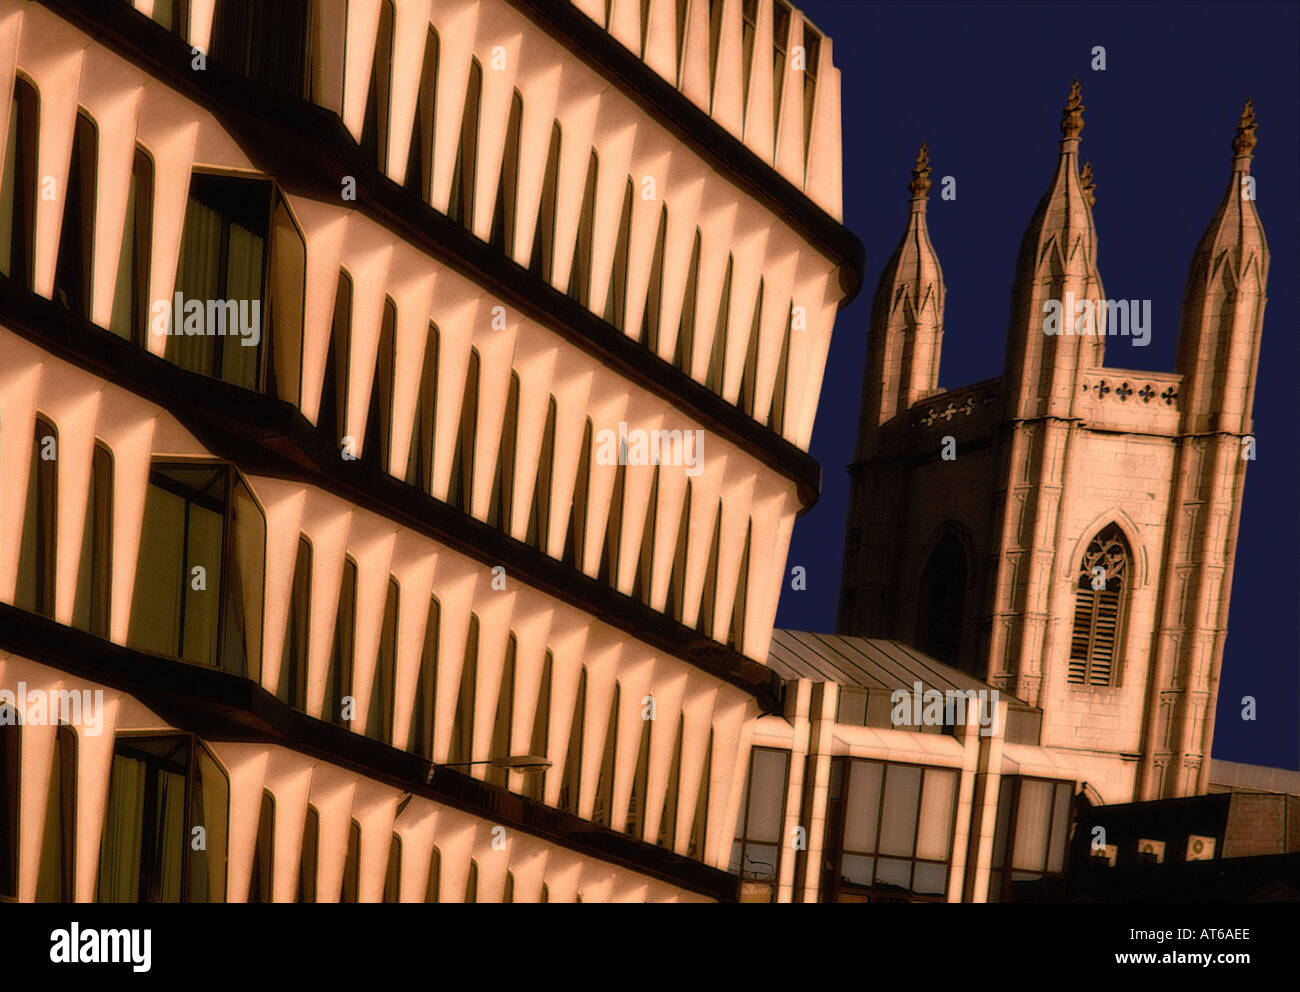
(267, 436)
(223, 707)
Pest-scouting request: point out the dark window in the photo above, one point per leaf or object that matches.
(55, 879)
(334, 387)
(505, 715)
(471, 883)
(18, 185)
(95, 571)
(602, 813)
(352, 866)
(35, 589)
(76, 239)
(504, 219)
(432, 891)
(1033, 825)
(379, 718)
(580, 272)
(419, 463)
(461, 206)
(261, 886)
(640, 782)
(310, 849)
(535, 784)
(539, 517)
(571, 786)
(780, 47)
(748, 29)
(812, 44)
(288, 275)
(379, 419)
(542, 256)
(668, 821)
(941, 600)
(161, 791)
(462, 729)
(700, 823)
(267, 42)
(419, 164)
(393, 876)
(10, 769)
(293, 663)
(339, 686)
(375, 127)
(426, 688)
(131, 294)
(461, 487)
(220, 276)
(171, 15)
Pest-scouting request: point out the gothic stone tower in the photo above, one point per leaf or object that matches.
(1066, 531)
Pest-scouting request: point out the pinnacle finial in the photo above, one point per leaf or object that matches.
(1088, 184)
(1244, 142)
(1072, 115)
(920, 184)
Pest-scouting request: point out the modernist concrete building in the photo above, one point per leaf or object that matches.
(1066, 532)
(404, 411)
(403, 417)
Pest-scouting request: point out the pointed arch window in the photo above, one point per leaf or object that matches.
(1103, 578)
(942, 599)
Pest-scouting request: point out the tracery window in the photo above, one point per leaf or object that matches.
(1099, 609)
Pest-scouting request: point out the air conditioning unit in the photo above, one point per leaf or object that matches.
(1200, 848)
(1151, 852)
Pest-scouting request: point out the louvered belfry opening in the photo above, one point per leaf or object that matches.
(1099, 609)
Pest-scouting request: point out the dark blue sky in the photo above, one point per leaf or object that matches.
(984, 84)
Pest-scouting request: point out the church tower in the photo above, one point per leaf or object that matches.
(1066, 531)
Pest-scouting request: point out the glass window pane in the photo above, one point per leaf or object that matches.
(203, 548)
(1060, 826)
(760, 862)
(160, 576)
(937, 797)
(857, 870)
(863, 806)
(211, 798)
(1003, 823)
(243, 638)
(1031, 825)
(893, 873)
(767, 796)
(930, 879)
(119, 856)
(898, 822)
